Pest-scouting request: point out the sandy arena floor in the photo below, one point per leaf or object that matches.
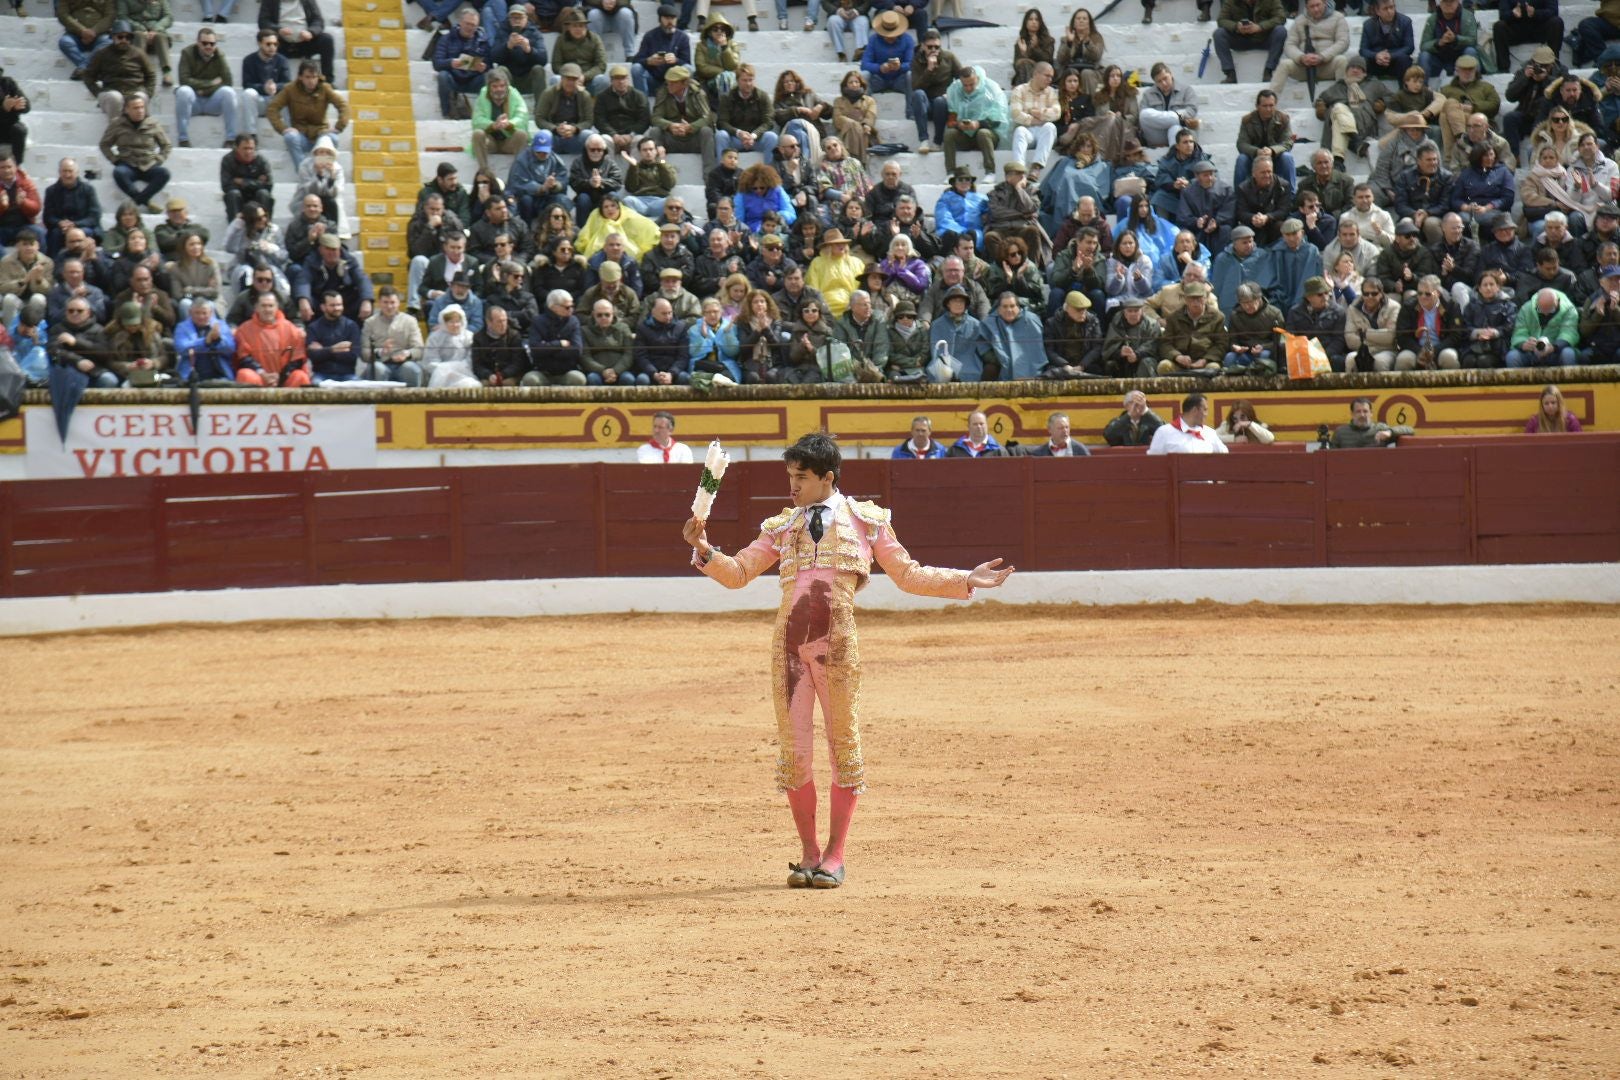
(1118, 844)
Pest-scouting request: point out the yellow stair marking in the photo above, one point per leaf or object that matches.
(385, 173)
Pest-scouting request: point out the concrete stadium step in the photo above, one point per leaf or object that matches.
(30, 53)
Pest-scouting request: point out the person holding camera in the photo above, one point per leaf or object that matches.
(1546, 332)
(1528, 91)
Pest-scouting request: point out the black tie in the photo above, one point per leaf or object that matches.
(815, 523)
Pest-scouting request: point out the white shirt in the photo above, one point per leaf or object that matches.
(648, 454)
(1172, 438)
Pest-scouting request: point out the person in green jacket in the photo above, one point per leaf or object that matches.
(500, 119)
(1361, 432)
(151, 20)
(1546, 332)
(1451, 32)
(578, 44)
(205, 87)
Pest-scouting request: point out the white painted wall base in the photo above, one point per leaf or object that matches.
(1563, 583)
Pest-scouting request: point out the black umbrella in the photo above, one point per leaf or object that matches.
(946, 23)
(194, 402)
(68, 384)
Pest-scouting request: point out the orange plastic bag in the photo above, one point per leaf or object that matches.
(1306, 356)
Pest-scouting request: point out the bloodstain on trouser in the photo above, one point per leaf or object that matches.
(815, 657)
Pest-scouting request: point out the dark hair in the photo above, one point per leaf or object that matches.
(816, 453)
(1193, 401)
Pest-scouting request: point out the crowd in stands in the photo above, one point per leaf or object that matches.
(569, 259)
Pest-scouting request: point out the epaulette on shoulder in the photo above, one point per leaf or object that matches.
(777, 523)
(869, 512)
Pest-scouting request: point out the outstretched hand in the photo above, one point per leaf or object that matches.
(986, 576)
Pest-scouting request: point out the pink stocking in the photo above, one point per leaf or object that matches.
(843, 809)
(802, 801)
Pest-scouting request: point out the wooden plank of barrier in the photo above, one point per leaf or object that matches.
(6, 540)
(1435, 501)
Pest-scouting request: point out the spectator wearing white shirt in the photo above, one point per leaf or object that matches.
(1187, 433)
(662, 449)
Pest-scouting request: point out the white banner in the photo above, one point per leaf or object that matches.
(159, 440)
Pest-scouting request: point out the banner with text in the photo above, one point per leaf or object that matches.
(160, 440)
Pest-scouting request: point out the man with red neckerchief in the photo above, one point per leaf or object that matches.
(978, 442)
(1187, 434)
(921, 445)
(662, 449)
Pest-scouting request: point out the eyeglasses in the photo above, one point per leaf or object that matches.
(1560, 119)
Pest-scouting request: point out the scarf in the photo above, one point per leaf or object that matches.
(1197, 432)
(665, 450)
(1552, 184)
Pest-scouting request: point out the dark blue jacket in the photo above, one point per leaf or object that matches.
(1499, 315)
(518, 62)
(1512, 258)
(450, 47)
(549, 356)
(1397, 39)
(906, 453)
(631, 272)
(656, 41)
(321, 335)
(1414, 192)
(660, 347)
(1494, 188)
(311, 280)
(256, 71)
(79, 204)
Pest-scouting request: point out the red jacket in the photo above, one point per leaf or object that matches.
(20, 204)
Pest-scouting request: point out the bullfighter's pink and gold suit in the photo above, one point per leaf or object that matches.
(815, 653)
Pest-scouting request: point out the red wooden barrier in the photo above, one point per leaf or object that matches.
(1431, 502)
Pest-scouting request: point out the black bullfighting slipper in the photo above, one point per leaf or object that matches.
(800, 876)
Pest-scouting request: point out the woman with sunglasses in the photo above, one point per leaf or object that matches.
(1561, 131)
